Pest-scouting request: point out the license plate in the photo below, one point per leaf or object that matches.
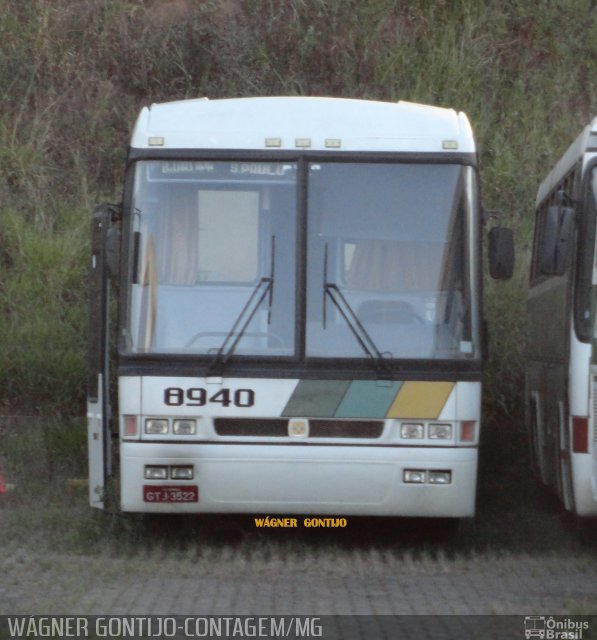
(167, 493)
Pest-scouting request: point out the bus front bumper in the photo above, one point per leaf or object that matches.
(305, 479)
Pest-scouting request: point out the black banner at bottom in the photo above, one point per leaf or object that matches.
(213, 627)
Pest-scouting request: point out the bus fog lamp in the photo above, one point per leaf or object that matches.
(181, 473)
(415, 476)
(440, 477)
(412, 430)
(440, 431)
(156, 473)
(184, 427)
(156, 426)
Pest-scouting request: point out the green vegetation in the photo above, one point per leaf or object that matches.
(73, 76)
(74, 73)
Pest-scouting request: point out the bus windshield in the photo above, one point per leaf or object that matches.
(214, 257)
(391, 241)
(214, 253)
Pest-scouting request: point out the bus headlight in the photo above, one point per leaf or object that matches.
(156, 426)
(412, 430)
(440, 477)
(184, 427)
(440, 431)
(156, 473)
(181, 473)
(415, 476)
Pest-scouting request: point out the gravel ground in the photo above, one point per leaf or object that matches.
(520, 556)
(360, 582)
(255, 576)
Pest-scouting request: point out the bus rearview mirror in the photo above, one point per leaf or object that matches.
(501, 253)
(555, 244)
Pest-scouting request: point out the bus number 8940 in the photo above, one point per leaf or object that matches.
(198, 397)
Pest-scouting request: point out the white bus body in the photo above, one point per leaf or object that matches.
(299, 311)
(562, 371)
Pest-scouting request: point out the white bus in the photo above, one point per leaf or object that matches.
(299, 311)
(562, 372)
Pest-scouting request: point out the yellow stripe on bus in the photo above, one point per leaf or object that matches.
(421, 400)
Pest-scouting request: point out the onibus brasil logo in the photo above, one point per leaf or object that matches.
(548, 628)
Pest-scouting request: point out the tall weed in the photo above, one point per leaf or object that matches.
(43, 320)
(74, 73)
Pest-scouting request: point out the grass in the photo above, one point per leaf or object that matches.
(44, 301)
(73, 75)
(523, 72)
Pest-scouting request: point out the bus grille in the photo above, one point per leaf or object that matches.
(278, 428)
(267, 428)
(345, 428)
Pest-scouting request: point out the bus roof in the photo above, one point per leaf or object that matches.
(586, 142)
(302, 123)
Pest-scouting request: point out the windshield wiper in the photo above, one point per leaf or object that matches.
(247, 314)
(361, 335)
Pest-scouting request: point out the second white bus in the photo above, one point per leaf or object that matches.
(562, 362)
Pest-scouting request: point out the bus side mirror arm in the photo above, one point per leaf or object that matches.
(112, 249)
(501, 253)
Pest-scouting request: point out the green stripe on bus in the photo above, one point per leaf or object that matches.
(316, 398)
(368, 399)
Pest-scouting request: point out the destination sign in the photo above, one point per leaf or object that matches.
(176, 170)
